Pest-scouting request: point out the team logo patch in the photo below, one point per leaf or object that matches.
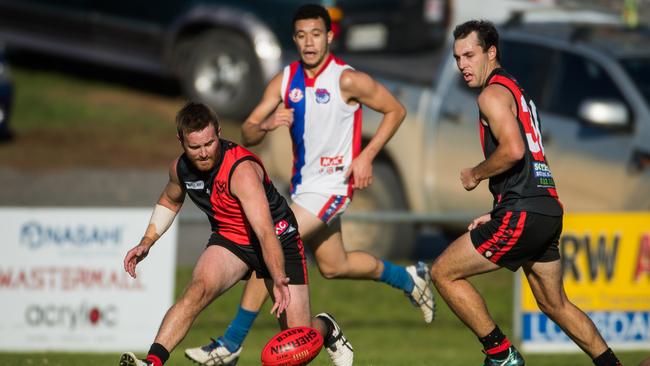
(295, 95)
(221, 186)
(322, 96)
(199, 184)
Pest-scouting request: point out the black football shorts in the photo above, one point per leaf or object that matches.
(512, 238)
(295, 263)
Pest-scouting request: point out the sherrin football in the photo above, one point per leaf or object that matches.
(292, 347)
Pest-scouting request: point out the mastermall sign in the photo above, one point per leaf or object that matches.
(63, 284)
(606, 263)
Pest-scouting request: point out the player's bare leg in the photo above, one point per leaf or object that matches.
(545, 280)
(205, 286)
(449, 273)
(334, 261)
(299, 314)
(254, 295)
(225, 350)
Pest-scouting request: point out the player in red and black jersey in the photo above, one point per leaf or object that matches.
(211, 192)
(253, 230)
(524, 226)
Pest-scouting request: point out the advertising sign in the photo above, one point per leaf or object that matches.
(63, 284)
(606, 264)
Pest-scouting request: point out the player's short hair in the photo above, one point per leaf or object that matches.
(486, 33)
(195, 117)
(313, 11)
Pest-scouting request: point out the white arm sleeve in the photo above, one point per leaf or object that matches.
(161, 218)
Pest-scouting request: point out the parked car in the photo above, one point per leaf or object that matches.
(6, 96)
(393, 26)
(591, 86)
(221, 51)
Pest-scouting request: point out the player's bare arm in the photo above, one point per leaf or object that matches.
(499, 111)
(268, 115)
(359, 87)
(170, 202)
(246, 185)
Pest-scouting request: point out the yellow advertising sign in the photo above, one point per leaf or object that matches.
(606, 261)
(606, 265)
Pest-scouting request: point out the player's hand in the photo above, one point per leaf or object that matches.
(281, 295)
(360, 172)
(468, 179)
(281, 117)
(479, 221)
(134, 256)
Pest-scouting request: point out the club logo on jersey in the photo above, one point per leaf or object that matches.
(322, 96)
(221, 186)
(199, 184)
(295, 95)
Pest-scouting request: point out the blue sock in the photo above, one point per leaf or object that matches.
(396, 276)
(238, 329)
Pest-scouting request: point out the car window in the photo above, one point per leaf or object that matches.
(529, 64)
(639, 70)
(579, 79)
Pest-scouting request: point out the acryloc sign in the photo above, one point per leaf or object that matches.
(63, 284)
(606, 269)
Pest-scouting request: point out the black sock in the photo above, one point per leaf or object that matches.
(607, 358)
(495, 344)
(159, 351)
(330, 328)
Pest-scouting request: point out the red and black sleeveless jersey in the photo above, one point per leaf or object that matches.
(210, 191)
(528, 185)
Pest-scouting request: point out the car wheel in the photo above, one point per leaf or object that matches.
(222, 71)
(383, 239)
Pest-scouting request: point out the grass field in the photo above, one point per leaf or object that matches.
(64, 120)
(378, 320)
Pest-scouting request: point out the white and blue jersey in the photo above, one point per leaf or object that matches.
(326, 131)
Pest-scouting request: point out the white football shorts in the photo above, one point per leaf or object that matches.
(325, 207)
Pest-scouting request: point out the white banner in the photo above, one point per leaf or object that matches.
(63, 284)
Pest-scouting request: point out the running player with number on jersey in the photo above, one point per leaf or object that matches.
(524, 226)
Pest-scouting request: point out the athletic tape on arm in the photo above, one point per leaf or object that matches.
(161, 219)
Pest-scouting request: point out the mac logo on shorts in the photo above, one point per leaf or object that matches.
(295, 95)
(322, 96)
(283, 227)
(195, 185)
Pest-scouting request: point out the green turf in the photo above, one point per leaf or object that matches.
(49, 100)
(383, 327)
(67, 121)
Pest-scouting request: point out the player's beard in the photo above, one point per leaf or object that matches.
(204, 165)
